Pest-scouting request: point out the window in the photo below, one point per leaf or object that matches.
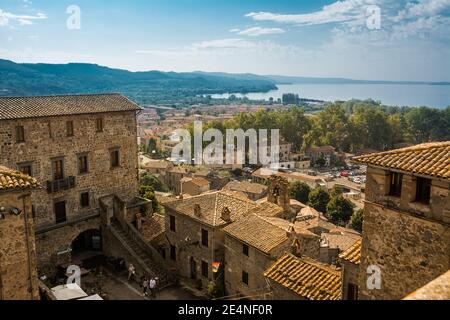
(172, 225)
(69, 128)
(84, 199)
(423, 188)
(115, 158)
(205, 267)
(60, 212)
(25, 168)
(245, 249)
(58, 169)
(83, 164)
(205, 238)
(20, 134)
(352, 292)
(99, 124)
(395, 184)
(173, 252)
(245, 277)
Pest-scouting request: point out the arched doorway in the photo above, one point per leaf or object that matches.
(89, 240)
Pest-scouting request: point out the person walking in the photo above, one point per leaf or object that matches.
(145, 286)
(152, 287)
(131, 271)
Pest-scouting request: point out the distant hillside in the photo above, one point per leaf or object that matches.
(310, 80)
(144, 87)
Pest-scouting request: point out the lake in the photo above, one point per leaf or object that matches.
(412, 95)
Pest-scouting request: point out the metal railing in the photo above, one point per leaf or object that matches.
(61, 184)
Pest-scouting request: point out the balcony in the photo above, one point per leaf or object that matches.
(60, 185)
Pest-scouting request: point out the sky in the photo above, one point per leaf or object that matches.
(358, 39)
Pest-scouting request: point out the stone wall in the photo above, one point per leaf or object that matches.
(350, 275)
(254, 264)
(187, 239)
(46, 138)
(281, 293)
(18, 275)
(54, 246)
(410, 251)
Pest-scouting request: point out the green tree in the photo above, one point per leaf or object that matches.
(357, 220)
(318, 199)
(147, 179)
(339, 210)
(300, 191)
(148, 193)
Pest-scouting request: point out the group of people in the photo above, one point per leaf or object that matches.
(147, 285)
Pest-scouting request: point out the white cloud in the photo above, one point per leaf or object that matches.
(259, 31)
(422, 8)
(223, 44)
(340, 11)
(6, 18)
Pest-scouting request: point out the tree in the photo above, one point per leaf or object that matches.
(318, 199)
(150, 180)
(357, 220)
(148, 193)
(339, 210)
(300, 191)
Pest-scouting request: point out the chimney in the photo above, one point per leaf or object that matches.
(226, 214)
(197, 210)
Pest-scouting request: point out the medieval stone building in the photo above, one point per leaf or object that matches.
(406, 229)
(18, 274)
(83, 150)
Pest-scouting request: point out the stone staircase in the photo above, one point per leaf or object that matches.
(143, 254)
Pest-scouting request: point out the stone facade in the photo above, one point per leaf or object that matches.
(408, 240)
(254, 264)
(18, 273)
(47, 140)
(189, 250)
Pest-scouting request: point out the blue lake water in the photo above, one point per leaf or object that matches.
(437, 96)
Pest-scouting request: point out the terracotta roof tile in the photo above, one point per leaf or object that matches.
(352, 254)
(257, 232)
(15, 180)
(305, 277)
(48, 106)
(246, 186)
(431, 159)
(212, 205)
(153, 226)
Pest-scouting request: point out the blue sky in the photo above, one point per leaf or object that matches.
(305, 38)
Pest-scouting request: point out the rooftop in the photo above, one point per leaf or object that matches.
(257, 232)
(211, 206)
(246, 186)
(12, 180)
(352, 254)
(305, 277)
(438, 289)
(61, 105)
(199, 181)
(153, 226)
(431, 159)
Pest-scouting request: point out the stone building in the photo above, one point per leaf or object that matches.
(83, 149)
(254, 241)
(18, 272)
(194, 185)
(324, 154)
(406, 229)
(350, 260)
(174, 176)
(253, 191)
(194, 232)
(301, 278)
